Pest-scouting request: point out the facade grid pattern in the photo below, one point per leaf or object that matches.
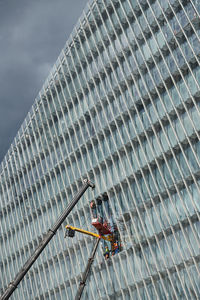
(121, 107)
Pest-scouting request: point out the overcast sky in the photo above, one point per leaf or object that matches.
(32, 35)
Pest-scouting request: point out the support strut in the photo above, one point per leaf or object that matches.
(51, 232)
(87, 270)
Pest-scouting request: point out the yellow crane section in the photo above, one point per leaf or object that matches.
(106, 238)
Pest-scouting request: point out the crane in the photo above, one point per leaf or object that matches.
(47, 237)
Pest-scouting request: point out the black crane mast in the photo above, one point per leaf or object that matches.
(87, 271)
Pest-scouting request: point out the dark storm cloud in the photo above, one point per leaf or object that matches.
(32, 34)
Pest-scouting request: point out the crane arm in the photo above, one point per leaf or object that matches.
(106, 238)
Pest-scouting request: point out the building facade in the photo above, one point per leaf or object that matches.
(122, 107)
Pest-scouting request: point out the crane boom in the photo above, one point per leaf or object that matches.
(48, 236)
(108, 238)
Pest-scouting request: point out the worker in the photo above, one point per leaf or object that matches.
(94, 209)
(92, 204)
(106, 224)
(116, 247)
(106, 253)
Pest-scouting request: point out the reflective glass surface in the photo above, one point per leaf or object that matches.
(121, 106)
